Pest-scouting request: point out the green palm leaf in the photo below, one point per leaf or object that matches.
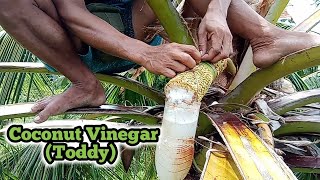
(20, 87)
(24, 162)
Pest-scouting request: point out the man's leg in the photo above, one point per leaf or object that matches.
(269, 42)
(142, 16)
(35, 24)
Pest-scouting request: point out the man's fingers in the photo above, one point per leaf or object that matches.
(226, 50)
(168, 73)
(219, 57)
(210, 55)
(216, 45)
(178, 67)
(193, 52)
(186, 60)
(202, 36)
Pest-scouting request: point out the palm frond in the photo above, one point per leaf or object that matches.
(312, 80)
(297, 81)
(20, 87)
(24, 162)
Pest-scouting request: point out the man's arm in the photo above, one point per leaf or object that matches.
(219, 6)
(165, 59)
(204, 6)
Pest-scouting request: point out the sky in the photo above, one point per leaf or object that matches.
(302, 9)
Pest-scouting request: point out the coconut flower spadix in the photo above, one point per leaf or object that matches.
(175, 149)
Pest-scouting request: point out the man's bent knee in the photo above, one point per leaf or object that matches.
(63, 9)
(6, 10)
(11, 10)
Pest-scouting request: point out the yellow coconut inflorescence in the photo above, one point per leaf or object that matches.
(197, 80)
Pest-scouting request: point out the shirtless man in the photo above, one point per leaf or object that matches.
(58, 30)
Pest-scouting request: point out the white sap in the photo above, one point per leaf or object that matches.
(175, 149)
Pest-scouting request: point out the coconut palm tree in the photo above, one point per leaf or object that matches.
(27, 82)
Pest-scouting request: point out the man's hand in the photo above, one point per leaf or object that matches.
(215, 38)
(170, 59)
